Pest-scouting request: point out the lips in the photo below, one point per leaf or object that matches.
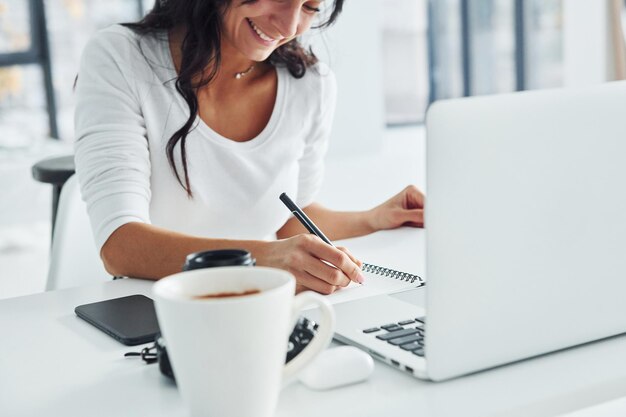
(259, 32)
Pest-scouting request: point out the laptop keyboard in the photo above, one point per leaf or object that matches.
(407, 334)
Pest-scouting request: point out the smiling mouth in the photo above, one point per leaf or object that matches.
(259, 32)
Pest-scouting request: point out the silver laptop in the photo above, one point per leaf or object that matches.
(525, 236)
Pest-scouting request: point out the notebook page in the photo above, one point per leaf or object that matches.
(373, 285)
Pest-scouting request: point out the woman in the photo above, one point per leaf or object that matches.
(191, 123)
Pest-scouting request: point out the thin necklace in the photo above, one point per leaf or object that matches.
(238, 75)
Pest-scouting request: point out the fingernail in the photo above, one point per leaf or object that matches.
(360, 278)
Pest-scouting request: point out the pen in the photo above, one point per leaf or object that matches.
(307, 222)
(304, 219)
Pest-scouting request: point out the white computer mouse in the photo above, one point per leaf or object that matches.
(337, 366)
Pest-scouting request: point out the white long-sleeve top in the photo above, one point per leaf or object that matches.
(128, 108)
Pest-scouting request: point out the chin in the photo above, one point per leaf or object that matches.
(259, 55)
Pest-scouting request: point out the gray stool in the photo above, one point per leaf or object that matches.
(54, 171)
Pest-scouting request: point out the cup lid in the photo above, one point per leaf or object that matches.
(217, 258)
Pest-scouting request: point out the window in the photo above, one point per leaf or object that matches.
(544, 50)
(36, 86)
(405, 54)
(438, 49)
(23, 42)
(14, 21)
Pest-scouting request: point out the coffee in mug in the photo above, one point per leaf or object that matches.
(227, 294)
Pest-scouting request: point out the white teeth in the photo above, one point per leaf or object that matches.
(261, 34)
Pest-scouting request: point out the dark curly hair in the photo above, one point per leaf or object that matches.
(201, 51)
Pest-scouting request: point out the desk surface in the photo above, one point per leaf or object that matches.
(53, 363)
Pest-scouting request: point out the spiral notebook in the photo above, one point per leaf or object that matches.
(378, 280)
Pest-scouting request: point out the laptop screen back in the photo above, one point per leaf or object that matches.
(525, 225)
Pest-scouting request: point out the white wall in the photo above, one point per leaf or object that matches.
(587, 42)
(353, 49)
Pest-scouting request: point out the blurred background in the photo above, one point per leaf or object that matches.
(392, 59)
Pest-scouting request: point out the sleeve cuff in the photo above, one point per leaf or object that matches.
(105, 218)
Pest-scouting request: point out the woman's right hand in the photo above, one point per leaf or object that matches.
(315, 264)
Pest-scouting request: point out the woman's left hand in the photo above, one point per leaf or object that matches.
(404, 209)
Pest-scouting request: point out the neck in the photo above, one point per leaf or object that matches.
(232, 61)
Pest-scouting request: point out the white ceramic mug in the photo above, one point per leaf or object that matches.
(228, 354)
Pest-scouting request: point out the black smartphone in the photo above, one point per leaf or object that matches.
(131, 320)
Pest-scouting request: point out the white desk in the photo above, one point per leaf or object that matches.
(52, 363)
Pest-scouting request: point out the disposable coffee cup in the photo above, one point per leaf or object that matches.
(217, 258)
